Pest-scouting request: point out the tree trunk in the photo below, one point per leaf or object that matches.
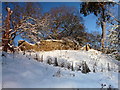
(6, 38)
(103, 38)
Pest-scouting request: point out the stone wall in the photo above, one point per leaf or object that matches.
(48, 45)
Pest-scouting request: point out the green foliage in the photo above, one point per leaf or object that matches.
(97, 8)
(117, 57)
(102, 11)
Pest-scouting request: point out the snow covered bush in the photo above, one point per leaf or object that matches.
(113, 40)
(49, 61)
(85, 68)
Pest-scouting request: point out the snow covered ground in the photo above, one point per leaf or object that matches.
(0, 71)
(94, 59)
(22, 71)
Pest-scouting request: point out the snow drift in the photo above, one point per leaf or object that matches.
(23, 71)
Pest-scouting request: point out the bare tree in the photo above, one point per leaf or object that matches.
(57, 23)
(7, 33)
(65, 22)
(23, 18)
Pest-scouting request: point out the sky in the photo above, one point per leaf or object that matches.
(0, 13)
(55, 0)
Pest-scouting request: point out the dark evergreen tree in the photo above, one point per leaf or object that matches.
(72, 67)
(108, 66)
(56, 62)
(101, 10)
(41, 59)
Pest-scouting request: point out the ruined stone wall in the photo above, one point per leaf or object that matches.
(47, 45)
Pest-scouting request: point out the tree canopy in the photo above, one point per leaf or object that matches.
(102, 11)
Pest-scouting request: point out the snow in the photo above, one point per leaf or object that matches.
(22, 71)
(0, 70)
(28, 42)
(0, 48)
(75, 56)
(53, 40)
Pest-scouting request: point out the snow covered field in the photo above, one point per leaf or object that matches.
(22, 71)
(0, 71)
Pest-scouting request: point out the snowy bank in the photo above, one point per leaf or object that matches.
(21, 71)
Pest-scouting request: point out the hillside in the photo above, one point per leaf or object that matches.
(23, 71)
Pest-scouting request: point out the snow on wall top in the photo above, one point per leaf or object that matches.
(53, 40)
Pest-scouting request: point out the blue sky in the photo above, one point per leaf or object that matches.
(0, 12)
(52, 0)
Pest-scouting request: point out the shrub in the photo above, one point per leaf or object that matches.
(56, 62)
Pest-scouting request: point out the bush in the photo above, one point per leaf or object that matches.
(55, 63)
(49, 61)
(68, 65)
(41, 59)
(85, 68)
(62, 64)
